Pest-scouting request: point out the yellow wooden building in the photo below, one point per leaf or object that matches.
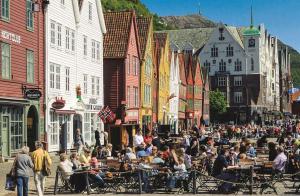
(145, 27)
(162, 45)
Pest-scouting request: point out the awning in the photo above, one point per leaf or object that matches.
(64, 111)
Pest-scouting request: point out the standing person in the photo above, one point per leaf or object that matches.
(38, 157)
(97, 137)
(78, 141)
(23, 166)
(138, 139)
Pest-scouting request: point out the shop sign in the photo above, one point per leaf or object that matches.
(58, 104)
(11, 36)
(33, 94)
(93, 107)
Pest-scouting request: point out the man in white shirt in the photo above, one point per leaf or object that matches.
(280, 160)
(138, 139)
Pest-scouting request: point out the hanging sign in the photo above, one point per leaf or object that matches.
(32, 94)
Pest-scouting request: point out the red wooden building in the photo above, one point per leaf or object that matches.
(182, 93)
(190, 91)
(121, 72)
(198, 89)
(22, 74)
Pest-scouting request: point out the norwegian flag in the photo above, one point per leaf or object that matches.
(107, 115)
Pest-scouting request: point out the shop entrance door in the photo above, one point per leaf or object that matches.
(32, 127)
(5, 136)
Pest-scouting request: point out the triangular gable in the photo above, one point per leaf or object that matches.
(182, 69)
(136, 34)
(197, 76)
(144, 25)
(189, 74)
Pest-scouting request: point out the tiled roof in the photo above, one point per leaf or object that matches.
(236, 35)
(160, 40)
(189, 37)
(143, 24)
(118, 31)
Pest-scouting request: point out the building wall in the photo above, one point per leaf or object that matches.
(14, 32)
(132, 80)
(146, 108)
(163, 87)
(174, 90)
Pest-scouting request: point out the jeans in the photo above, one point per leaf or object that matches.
(39, 180)
(22, 185)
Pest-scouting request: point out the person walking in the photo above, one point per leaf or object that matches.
(78, 141)
(23, 166)
(97, 137)
(40, 157)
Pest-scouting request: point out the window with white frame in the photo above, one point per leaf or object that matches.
(53, 130)
(98, 51)
(98, 86)
(222, 81)
(85, 83)
(30, 66)
(238, 97)
(147, 94)
(238, 81)
(128, 96)
(72, 40)
(52, 32)
(93, 49)
(67, 38)
(136, 96)
(136, 65)
(54, 76)
(128, 64)
(59, 35)
(84, 45)
(67, 79)
(93, 85)
(57, 77)
(87, 127)
(148, 66)
(90, 11)
(5, 10)
(5, 60)
(29, 14)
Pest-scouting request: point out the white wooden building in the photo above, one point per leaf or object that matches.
(74, 70)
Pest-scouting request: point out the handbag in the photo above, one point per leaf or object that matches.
(46, 168)
(10, 183)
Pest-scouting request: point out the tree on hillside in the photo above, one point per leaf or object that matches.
(218, 104)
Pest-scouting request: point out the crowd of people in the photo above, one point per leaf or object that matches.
(215, 151)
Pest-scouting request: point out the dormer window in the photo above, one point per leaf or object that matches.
(221, 31)
(251, 43)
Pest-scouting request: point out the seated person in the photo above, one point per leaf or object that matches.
(129, 155)
(280, 160)
(65, 166)
(158, 159)
(85, 156)
(219, 165)
(95, 174)
(140, 151)
(251, 152)
(289, 142)
(179, 173)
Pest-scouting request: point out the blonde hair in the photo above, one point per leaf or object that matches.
(25, 150)
(62, 157)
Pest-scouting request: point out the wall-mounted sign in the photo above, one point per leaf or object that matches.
(32, 94)
(58, 104)
(11, 36)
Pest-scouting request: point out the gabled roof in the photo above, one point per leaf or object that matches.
(182, 68)
(189, 70)
(160, 40)
(144, 25)
(235, 34)
(118, 32)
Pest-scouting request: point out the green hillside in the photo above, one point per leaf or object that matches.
(140, 8)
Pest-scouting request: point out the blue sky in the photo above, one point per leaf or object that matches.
(281, 17)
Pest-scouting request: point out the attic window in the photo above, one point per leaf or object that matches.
(221, 31)
(62, 2)
(90, 11)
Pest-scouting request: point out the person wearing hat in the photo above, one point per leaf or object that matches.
(38, 157)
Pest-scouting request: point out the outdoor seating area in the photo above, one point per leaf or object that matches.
(248, 167)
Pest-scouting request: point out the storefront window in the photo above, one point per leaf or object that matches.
(87, 127)
(16, 128)
(53, 131)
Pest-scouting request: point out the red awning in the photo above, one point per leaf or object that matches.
(64, 111)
